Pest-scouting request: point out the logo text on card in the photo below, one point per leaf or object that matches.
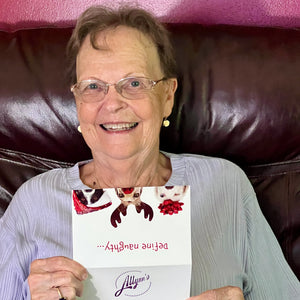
(132, 283)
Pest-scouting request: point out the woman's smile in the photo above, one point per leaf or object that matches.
(117, 127)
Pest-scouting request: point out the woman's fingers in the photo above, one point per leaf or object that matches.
(224, 293)
(66, 279)
(59, 263)
(42, 284)
(48, 274)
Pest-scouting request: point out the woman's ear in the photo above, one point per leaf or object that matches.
(171, 88)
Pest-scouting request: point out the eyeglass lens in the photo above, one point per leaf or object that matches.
(130, 88)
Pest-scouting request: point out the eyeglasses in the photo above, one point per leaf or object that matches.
(132, 88)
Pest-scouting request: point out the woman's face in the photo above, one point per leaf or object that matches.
(115, 126)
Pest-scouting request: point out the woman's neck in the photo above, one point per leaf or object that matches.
(150, 170)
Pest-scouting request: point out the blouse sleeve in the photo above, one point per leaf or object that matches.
(13, 274)
(271, 276)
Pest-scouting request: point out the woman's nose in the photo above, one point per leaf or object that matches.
(113, 100)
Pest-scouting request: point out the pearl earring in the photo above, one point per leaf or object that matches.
(79, 128)
(166, 122)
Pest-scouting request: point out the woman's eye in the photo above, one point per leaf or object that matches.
(135, 83)
(92, 86)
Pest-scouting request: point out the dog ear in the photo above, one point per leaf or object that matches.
(81, 197)
(97, 195)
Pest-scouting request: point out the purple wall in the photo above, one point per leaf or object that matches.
(15, 14)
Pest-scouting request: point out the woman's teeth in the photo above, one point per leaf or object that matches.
(119, 126)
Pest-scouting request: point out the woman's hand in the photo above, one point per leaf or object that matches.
(48, 274)
(224, 293)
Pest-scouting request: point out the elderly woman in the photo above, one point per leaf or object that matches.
(124, 82)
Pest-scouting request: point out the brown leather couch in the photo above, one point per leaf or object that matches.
(238, 98)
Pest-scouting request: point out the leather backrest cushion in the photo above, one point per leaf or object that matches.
(38, 114)
(277, 187)
(239, 93)
(16, 168)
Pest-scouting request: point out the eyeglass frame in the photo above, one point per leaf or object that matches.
(106, 86)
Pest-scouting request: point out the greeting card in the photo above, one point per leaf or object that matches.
(135, 242)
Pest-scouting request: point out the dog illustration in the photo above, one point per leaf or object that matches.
(129, 196)
(86, 201)
(170, 197)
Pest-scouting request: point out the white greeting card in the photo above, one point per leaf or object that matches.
(135, 242)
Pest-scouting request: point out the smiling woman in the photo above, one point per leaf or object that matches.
(123, 78)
